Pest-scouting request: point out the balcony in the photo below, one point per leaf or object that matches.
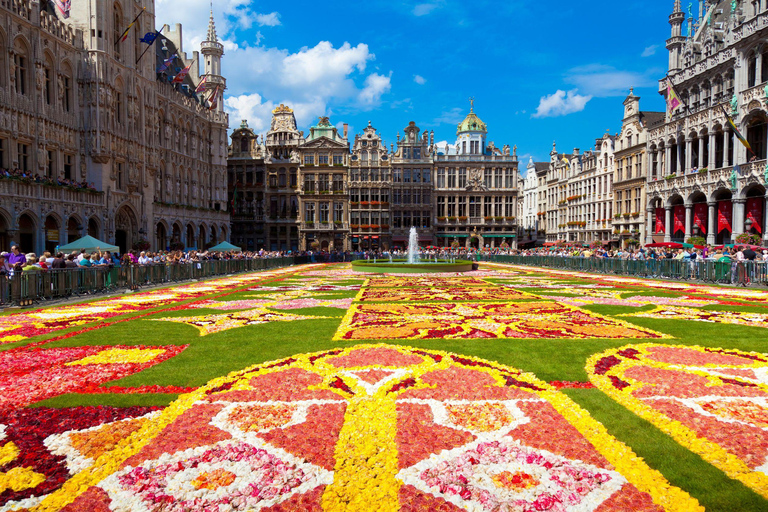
(324, 226)
(50, 193)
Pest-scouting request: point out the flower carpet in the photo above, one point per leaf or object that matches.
(317, 388)
(715, 402)
(402, 428)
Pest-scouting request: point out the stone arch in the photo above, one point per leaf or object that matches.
(223, 233)
(675, 200)
(191, 236)
(52, 231)
(27, 227)
(721, 194)
(94, 227)
(161, 235)
(756, 126)
(202, 236)
(5, 227)
(74, 228)
(24, 67)
(176, 233)
(126, 227)
(214, 235)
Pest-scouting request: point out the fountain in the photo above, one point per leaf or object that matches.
(413, 264)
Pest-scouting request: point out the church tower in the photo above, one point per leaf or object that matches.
(675, 43)
(212, 51)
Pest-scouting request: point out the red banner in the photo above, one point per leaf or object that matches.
(661, 220)
(724, 216)
(679, 214)
(700, 217)
(755, 212)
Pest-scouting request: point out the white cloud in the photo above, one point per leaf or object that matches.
(561, 103)
(376, 85)
(419, 79)
(426, 8)
(602, 81)
(650, 51)
(268, 20)
(260, 77)
(453, 116)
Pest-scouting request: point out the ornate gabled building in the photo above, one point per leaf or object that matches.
(701, 179)
(323, 197)
(370, 188)
(282, 158)
(411, 203)
(631, 171)
(476, 189)
(78, 105)
(529, 221)
(246, 173)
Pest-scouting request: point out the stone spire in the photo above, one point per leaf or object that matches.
(678, 7)
(212, 28)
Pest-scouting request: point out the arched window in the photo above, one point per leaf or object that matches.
(119, 100)
(244, 144)
(48, 83)
(21, 67)
(3, 72)
(65, 93)
(751, 69)
(764, 65)
(117, 28)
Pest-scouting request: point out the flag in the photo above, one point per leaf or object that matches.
(214, 99)
(661, 220)
(149, 38)
(737, 132)
(166, 63)
(181, 76)
(234, 198)
(64, 7)
(124, 35)
(724, 216)
(201, 86)
(673, 100)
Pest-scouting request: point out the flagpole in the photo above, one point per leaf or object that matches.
(747, 145)
(120, 39)
(185, 67)
(150, 46)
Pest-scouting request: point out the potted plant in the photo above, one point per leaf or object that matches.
(696, 240)
(463, 218)
(441, 219)
(452, 219)
(498, 219)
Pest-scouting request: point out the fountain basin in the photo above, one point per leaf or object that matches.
(403, 267)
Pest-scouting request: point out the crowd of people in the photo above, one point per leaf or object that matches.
(16, 261)
(28, 177)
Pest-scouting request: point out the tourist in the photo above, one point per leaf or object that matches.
(70, 262)
(85, 260)
(31, 264)
(58, 262)
(17, 257)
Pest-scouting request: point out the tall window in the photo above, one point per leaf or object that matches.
(68, 167)
(23, 150)
(338, 212)
(3, 72)
(338, 183)
(309, 183)
(488, 178)
(451, 178)
(309, 212)
(441, 178)
(462, 178)
(120, 176)
(117, 29)
(497, 180)
(47, 92)
(51, 167)
(3, 143)
(21, 63)
(119, 107)
(324, 212)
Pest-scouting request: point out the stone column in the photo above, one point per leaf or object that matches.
(712, 222)
(712, 150)
(688, 220)
(668, 224)
(738, 216)
(667, 161)
(765, 222)
(701, 163)
(688, 154)
(649, 226)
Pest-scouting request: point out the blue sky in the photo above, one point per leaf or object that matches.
(539, 71)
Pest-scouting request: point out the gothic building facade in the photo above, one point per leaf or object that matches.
(701, 180)
(97, 141)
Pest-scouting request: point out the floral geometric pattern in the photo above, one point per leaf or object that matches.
(719, 317)
(482, 320)
(428, 431)
(441, 294)
(712, 401)
(28, 376)
(235, 305)
(424, 282)
(21, 326)
(212, 324)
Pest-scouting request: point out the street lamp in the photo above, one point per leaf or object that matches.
(748, 225)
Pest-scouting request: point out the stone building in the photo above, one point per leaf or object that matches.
(701, 179)
(528, 220)
(246, 170)
(556, 192)
(631, 171)
(370, 188)
(411, 200)
(323, 197)
(476, 189)
(282, 159)
(76, 106)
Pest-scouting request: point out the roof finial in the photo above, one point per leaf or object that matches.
(472, 105)
(678, 7)
(212, 27)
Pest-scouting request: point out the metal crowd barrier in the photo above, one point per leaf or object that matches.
(748, 272)
(31, 287)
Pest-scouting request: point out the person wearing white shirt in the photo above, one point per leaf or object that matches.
(143, 260)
